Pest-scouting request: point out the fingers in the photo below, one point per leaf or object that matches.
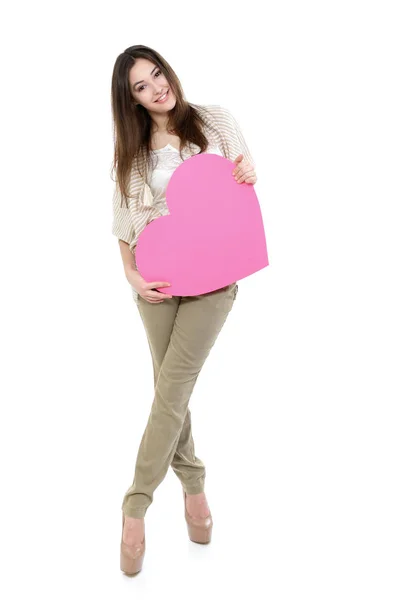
(248, 175)
(155, 300)
(157, 295)
(239, 166)
(239, 158)
(246, 168)
(152, 295)
(243, 167)
(156, 284)
(248, 178)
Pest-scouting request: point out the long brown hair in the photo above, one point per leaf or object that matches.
(132, 123)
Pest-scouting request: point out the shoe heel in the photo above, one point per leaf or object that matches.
(199, 530)
(131, 559)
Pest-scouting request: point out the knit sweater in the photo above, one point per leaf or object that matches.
(129, 222)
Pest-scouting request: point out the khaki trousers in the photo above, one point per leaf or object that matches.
(181, 332)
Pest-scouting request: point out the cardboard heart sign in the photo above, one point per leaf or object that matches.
(213, 236)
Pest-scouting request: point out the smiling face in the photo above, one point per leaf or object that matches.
(147, 84)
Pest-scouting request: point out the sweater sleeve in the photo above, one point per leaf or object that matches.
(122, 225)
(235, 139)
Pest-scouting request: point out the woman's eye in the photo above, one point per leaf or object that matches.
(157, 73)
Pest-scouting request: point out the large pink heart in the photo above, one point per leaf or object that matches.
(213, 236)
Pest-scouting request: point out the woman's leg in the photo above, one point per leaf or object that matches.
(198, 321)
(188, 467)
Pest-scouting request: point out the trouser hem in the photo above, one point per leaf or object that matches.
(136, 513)
(194, 489)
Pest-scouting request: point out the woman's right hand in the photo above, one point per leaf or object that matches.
(145, 288)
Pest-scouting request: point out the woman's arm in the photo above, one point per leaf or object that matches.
(233, 135)
(244, 171)
(122, 226)
(127, 258)
(144, 288)
(123, 229)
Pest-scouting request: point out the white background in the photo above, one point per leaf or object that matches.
(295, 413)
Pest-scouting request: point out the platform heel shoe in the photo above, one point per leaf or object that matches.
(199, 529)
(131, 556)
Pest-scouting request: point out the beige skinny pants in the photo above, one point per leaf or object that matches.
(181, 332)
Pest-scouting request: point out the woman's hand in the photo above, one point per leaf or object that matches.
(145, 288)
(244, 171)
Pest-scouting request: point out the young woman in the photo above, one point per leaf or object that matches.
(155, 130)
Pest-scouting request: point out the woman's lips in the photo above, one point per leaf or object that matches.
(164, 100)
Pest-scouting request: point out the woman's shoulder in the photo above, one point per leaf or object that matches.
(215, 111)
(220, 119)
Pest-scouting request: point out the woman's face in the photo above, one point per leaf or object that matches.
(148, 83)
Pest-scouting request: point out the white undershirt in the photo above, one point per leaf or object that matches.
(168, 159)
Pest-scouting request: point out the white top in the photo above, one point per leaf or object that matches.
(166, 160)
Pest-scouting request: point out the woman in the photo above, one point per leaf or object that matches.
(155, 130)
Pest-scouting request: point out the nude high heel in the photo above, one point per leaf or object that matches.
(199, 529)
(131, 556)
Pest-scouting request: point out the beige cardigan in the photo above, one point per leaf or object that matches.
(129, 222)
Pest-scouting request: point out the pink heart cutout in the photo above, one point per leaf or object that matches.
(213, 236)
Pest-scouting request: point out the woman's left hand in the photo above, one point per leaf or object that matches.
(244, 171)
